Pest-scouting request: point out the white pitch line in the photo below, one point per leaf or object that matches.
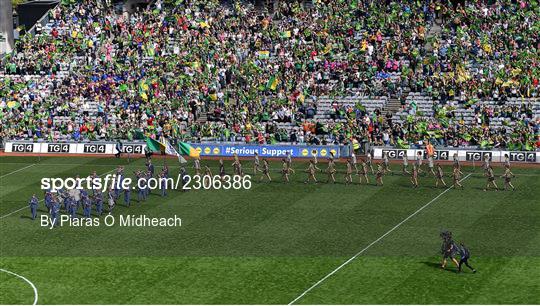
(369, 245)
(26, 280)
(11, 213)
(17, 170)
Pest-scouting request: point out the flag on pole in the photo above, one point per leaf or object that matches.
(154, 145)
(264, 54)
(187, 149)
(286, 34)
(170, 150)
(272, 83)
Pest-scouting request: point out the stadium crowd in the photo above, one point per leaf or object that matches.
(194, 69)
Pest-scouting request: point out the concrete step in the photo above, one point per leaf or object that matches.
(393, 105)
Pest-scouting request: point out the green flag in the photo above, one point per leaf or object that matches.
(154, 145)
(401, 144)
(187, 149)
(272, 83)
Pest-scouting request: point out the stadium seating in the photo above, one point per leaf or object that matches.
(140, 73)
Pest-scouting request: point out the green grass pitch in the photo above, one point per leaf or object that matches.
(269, 244)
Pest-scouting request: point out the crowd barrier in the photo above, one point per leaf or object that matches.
(470, 155)
(279, 150)
(73, 148)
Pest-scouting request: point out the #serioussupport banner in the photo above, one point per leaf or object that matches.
(210, 149)
(266, 150)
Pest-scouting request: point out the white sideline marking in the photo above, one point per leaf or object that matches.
(26, 280)
(17, 170)
(11, 213)
(369, 245)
